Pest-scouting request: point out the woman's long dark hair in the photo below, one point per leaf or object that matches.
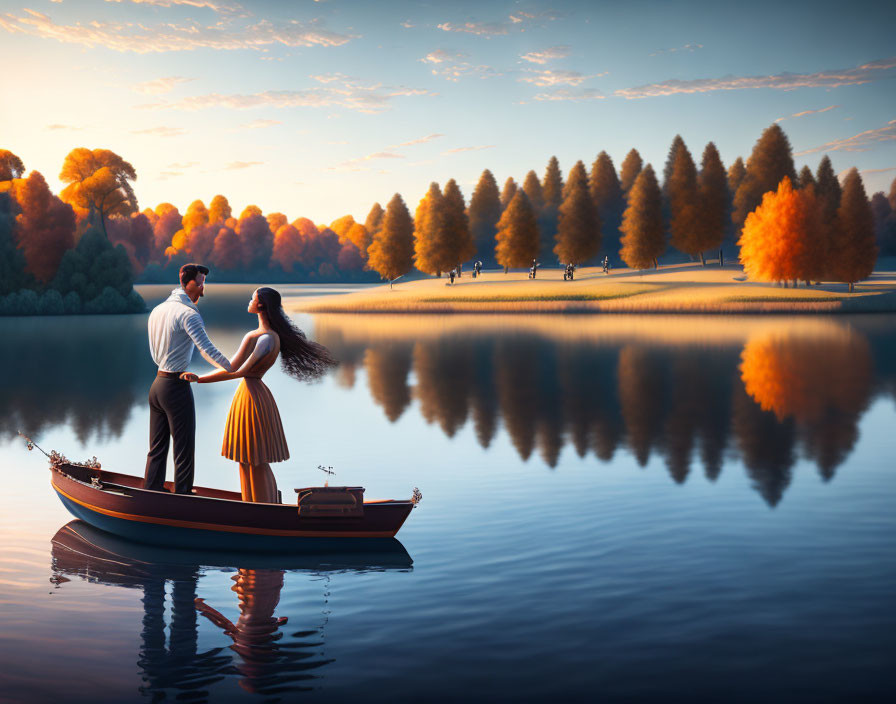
(301, 358)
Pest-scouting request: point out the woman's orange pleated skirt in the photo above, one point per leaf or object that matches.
(254, 433)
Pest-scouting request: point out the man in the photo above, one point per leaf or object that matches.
(175, 327)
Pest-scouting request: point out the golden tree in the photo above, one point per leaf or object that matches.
(374, 219)
(391, 253)
(683, 198)
(98, 180)
(484, 213)
(44, 227)
(630, 169)
(11, 166)
(459, 238)
(770, 161)
(517, 238)
(288, 247)
(219, 210)
(775, 242)
(508, 192)
(712, 186)
(433, 253)
(854, 250)
(643, 237)
(578, 232)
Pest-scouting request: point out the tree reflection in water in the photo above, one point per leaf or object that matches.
(757, 390)
(266, 662)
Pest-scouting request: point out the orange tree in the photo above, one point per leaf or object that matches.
(100, 180)
(775, 243)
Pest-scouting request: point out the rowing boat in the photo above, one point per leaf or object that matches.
(322, 519)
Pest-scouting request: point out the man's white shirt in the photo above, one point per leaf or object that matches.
(175, 328)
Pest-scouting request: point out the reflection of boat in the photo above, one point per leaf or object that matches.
(170, 662)
(213, 519)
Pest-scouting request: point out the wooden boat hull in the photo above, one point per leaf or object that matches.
(213, 519)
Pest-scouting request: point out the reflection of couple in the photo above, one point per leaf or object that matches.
(253, 434)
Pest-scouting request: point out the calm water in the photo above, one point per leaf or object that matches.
(615, 508)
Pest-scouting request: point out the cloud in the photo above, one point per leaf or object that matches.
(237, 165)
(259, 124)
(421, 140)
(860, 142)
(690, 48)
(516, 22)
(57, 127)
(143, 39)
(159, 85)
(216, 7)
(389, 152)
(161, 131)
(876, 70)
(451, 65)
(807, 112)
(548, 78)
(337, 91)
(545, 55)
(571, 95)
(407, 24)
(459, 150)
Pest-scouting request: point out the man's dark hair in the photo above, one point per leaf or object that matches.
(189, 272)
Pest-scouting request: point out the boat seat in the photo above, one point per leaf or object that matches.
(336, 501)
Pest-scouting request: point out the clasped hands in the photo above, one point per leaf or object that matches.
(189, 376)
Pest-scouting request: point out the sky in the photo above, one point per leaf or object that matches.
(319, 108)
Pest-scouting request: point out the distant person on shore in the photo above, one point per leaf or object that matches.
(451, 275)
(534, 269)
(253, 434)
(477, 268)
(568, 274)
(606, 264)
(175, 328)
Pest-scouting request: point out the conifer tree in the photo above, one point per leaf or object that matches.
(391, 253)
(714, 198)
(827, 191)
(736, 173)
(517, 240)
(578, 230)
(643, 238)
(532, 187)
(631, 167)
(776, 243)
(459, 239)
(606, 192)
(552, 192)
(12, 259)
(683, 200)
(484, 212)
(805, 177)
(508, 192)
(374, 219)
(677, 145)
(770, 162)
(432, 251)
(854, 250)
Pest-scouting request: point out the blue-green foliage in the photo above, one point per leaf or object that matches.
(12, 261)
(92, 266)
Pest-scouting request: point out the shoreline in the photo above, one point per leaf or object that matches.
(678, 289)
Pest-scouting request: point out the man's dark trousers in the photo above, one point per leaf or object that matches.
(171, 414)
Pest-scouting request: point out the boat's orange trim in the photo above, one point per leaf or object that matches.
(231, 529)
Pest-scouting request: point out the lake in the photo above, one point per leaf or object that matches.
(614, 508)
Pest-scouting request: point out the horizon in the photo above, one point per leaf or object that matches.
(320, 111)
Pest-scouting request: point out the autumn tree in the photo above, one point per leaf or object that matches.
(631, 167)
(219, 210)
(374, 219)
(805, 178)
(44, 226)
(460, 239)
(432, 254)
(606, 192)
(853, 250)
(256, 237)
(736, 173)
(770, 162)
(484, 213)
(391, 253)
(776, 242)
(517, 238)
(532, 187)
(884, 224)
(11, 166)
(713, 197)
(288, 247)
(682, 195)
(643, 238)
(342, 225)
(508, 192)
(276, 221)
(676, 146)
(552, 192)
(578, 231)
(166, 220)
(98, 180)
(360, 238)
(227, 252)
(135, 234)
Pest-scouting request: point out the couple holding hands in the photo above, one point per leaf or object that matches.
(253, 434)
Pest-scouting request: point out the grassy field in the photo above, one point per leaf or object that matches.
(684, 288)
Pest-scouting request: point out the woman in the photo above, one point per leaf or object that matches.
(253, 436)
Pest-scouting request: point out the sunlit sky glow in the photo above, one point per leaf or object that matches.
(318, 109)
